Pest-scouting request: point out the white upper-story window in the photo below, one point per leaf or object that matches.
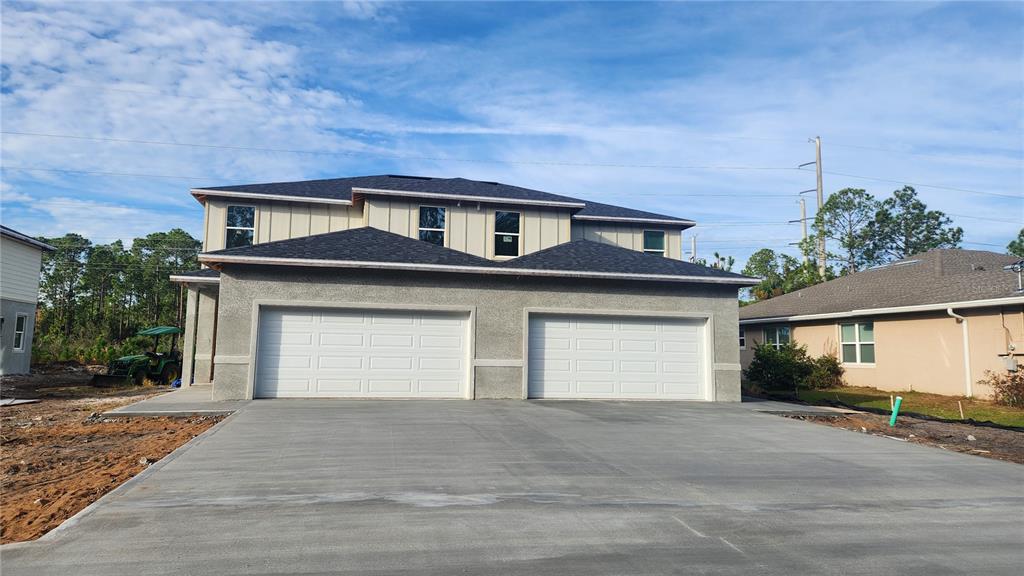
(858, 342)
(743, 338)
(654, 242)
(506, 233)
(776, 336)
(432, 227)
(241, 228)
(20, 326)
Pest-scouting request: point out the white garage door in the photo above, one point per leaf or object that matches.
(361, 353)
(616, 357)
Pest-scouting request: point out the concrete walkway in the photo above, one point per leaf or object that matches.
(543, 488)
(194, 399)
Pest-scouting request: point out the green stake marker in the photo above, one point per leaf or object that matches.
(895, 411)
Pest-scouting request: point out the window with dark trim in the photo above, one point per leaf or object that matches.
(241, 228)
(432, 220)
(506, 233)
(654, 242)
(743, 338)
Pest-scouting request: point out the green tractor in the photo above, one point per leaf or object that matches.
(160, 367)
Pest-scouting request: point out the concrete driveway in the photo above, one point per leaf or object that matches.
(491, 487)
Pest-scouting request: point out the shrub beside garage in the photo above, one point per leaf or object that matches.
(789, 368)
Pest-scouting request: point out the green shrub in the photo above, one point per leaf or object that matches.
(790, 368)
(1007, 387)
(826, 372)
(779, 369)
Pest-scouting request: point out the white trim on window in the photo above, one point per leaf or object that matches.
(664, 242)
(419, 224)
(19, 335)
(743, 338)
(858, 343)
(772, 335)
(518, 234)
(228, 228)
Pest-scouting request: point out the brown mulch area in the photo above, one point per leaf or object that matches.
(997, 443)
(60, 455)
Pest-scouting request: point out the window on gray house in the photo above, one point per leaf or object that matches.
(506, 233)
(241, 228)
(432, 224)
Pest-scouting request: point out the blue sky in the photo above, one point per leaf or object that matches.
(700, 110)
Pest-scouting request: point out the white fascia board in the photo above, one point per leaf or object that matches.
(225, 259)
(194, 279)
(680, 223)
(465, 198)
(279, 197)
(1009, 301)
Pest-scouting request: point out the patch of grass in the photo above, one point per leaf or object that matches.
(919, 402)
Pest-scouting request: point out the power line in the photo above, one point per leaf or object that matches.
(392, 156)
(919, 185)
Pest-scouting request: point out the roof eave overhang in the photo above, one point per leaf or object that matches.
(1008, 301)
(465, 198)
(309, 262)
(627, 220)
(201, 193)
(28, 240)
(194, 279)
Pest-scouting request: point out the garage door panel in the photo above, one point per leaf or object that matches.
(354, 353)
(615, 357)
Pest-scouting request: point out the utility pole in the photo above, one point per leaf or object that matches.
(821, 202)
(803, 222)
(693, 248)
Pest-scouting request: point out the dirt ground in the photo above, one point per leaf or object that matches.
(994, 443)
(59, 455)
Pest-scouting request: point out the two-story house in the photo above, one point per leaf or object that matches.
(20, 263)
(399, 286)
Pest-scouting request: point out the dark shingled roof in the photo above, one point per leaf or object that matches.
(598, 210)
(358, 245)
(934, 277)
(372, 245)
(341, 189)
(589, 256)
(202, 273)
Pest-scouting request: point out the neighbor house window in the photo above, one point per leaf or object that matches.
(858, 342)
(20, 322)
(654, 242)
(743, 339)
(506, 233)
(241, 227)
(432, 224)
(776, 336)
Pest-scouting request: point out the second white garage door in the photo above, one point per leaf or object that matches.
(306, 353)
(615, 357)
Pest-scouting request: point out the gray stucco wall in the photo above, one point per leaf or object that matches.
(499, 302)
(205, 329)
(11, 361)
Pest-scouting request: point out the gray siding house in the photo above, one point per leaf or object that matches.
(20, 264)
(415, 287)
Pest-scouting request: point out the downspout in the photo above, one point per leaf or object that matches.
(968, 383)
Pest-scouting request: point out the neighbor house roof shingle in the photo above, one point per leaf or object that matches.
(377, 248)
(342, 189)
(934, 277)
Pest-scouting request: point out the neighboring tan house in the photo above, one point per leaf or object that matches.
(933, 322)
(21, 260)
(399, 286)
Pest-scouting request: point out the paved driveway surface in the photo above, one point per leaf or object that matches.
(489, 487)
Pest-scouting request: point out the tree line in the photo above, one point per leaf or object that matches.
(860, 232)
(95, 297)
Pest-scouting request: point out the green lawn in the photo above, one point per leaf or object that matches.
(919, 402)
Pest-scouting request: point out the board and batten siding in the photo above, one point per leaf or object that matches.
(470, 227)
(279, 220)
(627, 235)
(19, 271)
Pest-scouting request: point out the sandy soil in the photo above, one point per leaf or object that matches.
(979, 440)
(59, 455)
